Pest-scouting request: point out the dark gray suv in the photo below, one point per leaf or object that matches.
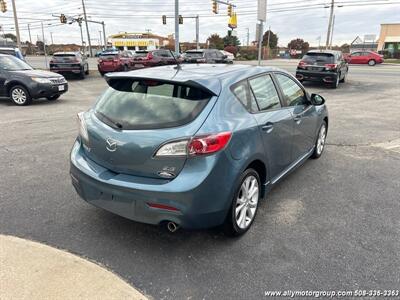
(209, 56)
(70, 62)
(21, 83)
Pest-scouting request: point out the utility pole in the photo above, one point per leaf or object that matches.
(87, 28)
(248, 37)
(333, 26)
(44, 46)
(16, 24)
(100, 38)
(80, 27)
(262, 17)
(268, 48)
(104, 35)
(197, 32)
(51, 35)
(328, 35)
(176, 26)
(29, 31)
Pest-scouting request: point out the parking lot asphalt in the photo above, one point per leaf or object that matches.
(333, 224)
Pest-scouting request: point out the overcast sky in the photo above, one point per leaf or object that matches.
(308, 21)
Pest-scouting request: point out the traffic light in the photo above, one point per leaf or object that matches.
(180, 19)
(3, 6)
(230, 9)
(215, 7)
(164, 19)
(63, 19)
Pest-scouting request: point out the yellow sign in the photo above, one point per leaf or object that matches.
(233, 21)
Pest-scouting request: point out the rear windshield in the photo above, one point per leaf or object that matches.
(194, 54)
(149, 104)
(108, 55)
(9, 52)
(64, 55)
(323, 58)
(140, 54)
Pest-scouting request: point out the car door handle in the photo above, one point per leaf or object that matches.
(268, 127)
(297, 119)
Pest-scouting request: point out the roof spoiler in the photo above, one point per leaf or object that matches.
(211, 86)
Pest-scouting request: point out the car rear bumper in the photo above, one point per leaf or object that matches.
(66, 69)
(44, 90)
(305, 75)
(199, 197)
(105, 69)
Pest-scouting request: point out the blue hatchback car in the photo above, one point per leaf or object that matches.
(195, 146)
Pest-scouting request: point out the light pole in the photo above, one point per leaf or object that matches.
(177, 27)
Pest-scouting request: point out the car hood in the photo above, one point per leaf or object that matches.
(37, 73)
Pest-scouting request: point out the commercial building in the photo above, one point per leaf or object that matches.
(139, 41)
(389, 40)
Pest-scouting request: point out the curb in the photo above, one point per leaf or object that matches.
(30, 270)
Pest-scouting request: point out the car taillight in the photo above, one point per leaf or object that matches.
(149, 56)
(51, 61)
(100, 60)
(302, 63)
(208, 144)
(83, 133)
(198, 145)
(330, 66)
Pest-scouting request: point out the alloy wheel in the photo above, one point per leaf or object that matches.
(18, 96)
(246, 202)
(321, 139)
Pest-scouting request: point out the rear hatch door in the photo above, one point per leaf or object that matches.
(317, 61)
(135, 117)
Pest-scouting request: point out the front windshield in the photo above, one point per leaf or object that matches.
(11, 63)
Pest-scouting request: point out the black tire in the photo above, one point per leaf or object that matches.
(82, 74)
(318, 151)
(87, 70)
(126, 69)
(335, 84)
(53, 98)
(101, 73)
(231, 226)
(344, 77)
(372, 62)
(19, 95)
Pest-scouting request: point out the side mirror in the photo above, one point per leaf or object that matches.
(224, 56)
(316, 99)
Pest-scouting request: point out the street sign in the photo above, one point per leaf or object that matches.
(262, 10)
(370, 37)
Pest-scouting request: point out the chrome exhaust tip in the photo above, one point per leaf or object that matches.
(172, 227)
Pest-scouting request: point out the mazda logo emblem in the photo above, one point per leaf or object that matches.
(111, 145)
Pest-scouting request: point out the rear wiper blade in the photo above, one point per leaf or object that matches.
(115, 123)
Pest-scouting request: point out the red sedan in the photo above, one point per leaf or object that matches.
(365, 57)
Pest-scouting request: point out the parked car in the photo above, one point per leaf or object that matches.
(365, 57)
(229, 56)
(115, 61)
(153, 58)
(12, 51)
(21, 83)
(195, 147)
(70, 63)
(326, 66)
(209, 56)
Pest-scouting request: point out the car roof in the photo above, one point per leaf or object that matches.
(325, 51)
(210, 76)
(70, 53)
(9, 48)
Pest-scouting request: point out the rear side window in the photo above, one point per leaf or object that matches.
(64, 55)
(265, 92)
(243, 93)
(140, 54)
(9, 52)
(149, 104)
(193, 54)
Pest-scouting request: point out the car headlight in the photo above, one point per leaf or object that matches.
(41, 80)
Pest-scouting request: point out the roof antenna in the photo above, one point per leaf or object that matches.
(178, 65)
